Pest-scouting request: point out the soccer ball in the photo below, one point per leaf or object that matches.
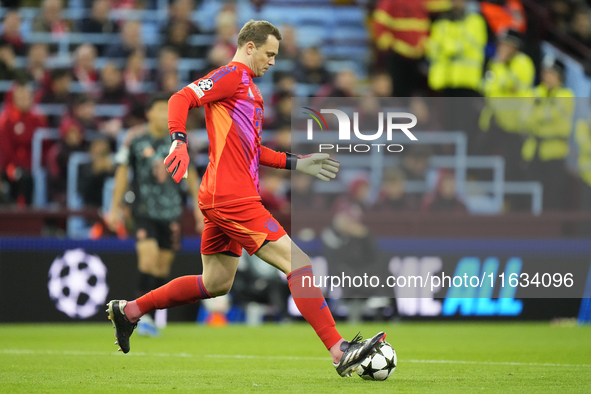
(77, 284)
(380, 365)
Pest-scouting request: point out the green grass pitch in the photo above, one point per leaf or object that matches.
(432, 358)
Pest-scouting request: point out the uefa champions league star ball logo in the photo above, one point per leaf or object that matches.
(77, 284)
(205, 84)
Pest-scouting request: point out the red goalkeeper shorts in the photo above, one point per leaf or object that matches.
(231, 228)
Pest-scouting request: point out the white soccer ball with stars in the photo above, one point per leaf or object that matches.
(380, 365)
(205, 84)
(78, 284)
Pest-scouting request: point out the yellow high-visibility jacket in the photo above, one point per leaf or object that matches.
(505, 86)
(456, 52)
(549, 119)
(583, 138)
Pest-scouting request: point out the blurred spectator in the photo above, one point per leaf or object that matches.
(561, 11)
(181, 13)
(347, 241)
(50, 20)
(180, 27)
(503, 15)
(219, 56)
(303, 197)
(37, 57)
(17, 125)
(311, 68)
(549, 124)
(282, 139)
(508, 80)
(84, 70)
(272, 191)
(92, 175)
(580, 27)
(71, 140)
(456, 52)
(368, 118)
(282, 116)
(381, 85)
(444, 198)
(135, 73)
(283, 83)
(113, 87)
(393, 196)
(289, 45)
(415, 163)
(357, 197)
(169, 83)
(343, 85)
(400, 29)
(177, 37)
(55, 87)
(98, 21)
(11, 26)
(168, 62)
(427, 117)
(131, 41)
(8, 70)
(224, 46)
(127, 4)
(83, 115)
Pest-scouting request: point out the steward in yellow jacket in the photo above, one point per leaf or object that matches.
(548, 116)
(507, 83)
(550, 119)
(509, 78)
(456, 51)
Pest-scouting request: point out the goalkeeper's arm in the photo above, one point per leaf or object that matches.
(319, 165)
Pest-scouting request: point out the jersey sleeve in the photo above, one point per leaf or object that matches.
(217, 85)
(271, 158)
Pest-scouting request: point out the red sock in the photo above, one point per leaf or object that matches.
(179, 291)
(312, 305)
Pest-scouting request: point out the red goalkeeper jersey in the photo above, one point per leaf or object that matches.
(234, 119)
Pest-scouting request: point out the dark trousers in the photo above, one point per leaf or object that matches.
(21, 187)
(405, 74)
(554, 178)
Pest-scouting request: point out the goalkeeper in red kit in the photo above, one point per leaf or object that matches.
(229, 199)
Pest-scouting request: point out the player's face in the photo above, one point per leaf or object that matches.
(158, 116)
(263, 57)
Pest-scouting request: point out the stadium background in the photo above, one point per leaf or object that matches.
(118, 53)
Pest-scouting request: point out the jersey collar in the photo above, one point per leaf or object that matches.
(244, 66)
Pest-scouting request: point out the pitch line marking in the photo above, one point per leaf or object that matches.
(260, 357)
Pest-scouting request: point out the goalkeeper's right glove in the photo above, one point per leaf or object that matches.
(319, 165)
(177, 161)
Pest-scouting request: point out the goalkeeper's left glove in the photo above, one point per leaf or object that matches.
(319, 165)
(177, 161)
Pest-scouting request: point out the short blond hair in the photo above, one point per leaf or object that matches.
(258, 32)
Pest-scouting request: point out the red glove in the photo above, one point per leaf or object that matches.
(177, 161)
